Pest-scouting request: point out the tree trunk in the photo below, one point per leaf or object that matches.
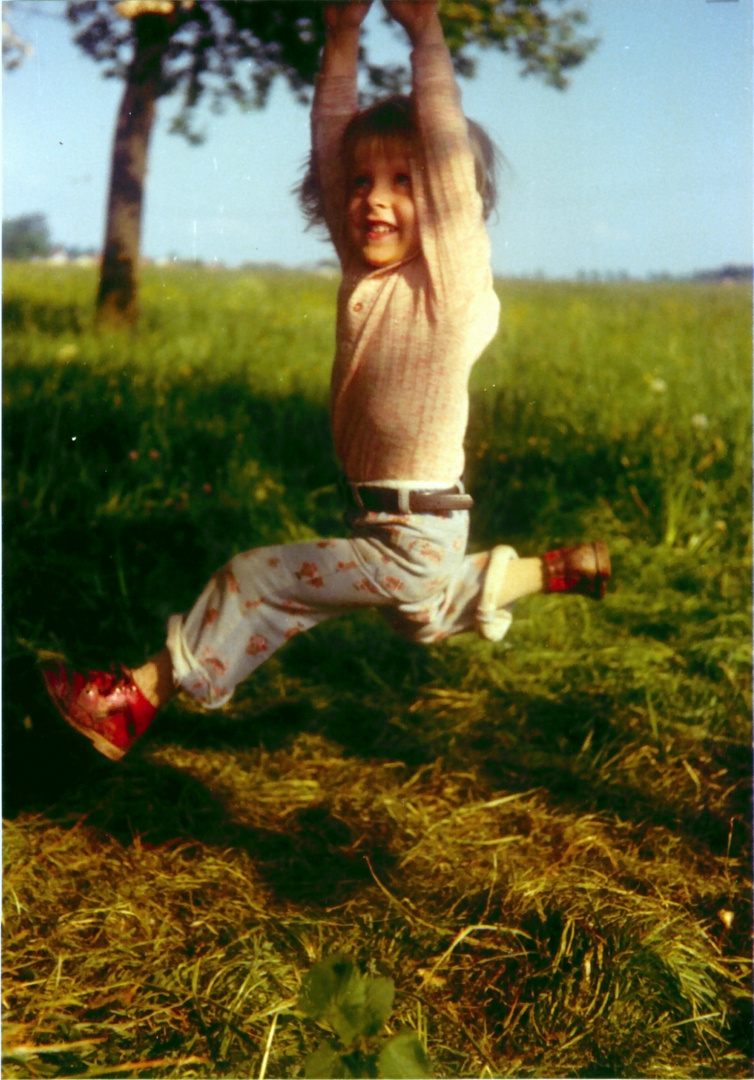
(117, 296)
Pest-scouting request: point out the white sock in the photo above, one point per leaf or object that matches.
(508, 579)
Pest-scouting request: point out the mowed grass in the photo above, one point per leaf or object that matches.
(545, 842)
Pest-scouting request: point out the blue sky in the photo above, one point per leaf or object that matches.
(644, 165)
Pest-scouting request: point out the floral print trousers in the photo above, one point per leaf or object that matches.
(412, 567)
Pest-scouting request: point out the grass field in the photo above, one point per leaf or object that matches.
(544, 843)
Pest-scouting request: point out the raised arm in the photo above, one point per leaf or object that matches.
(342, 28)
(454, 240)
(335, 102)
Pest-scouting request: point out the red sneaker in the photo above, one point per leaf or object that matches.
(583, 569)
(109, 709)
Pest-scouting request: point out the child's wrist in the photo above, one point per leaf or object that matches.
(428, 34)
(346, 30)
(341, 52)
(344, 40)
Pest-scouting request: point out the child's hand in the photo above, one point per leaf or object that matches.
(343, 27)
(415, 16)
(344, 17)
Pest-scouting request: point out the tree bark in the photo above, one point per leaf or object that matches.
(117, 295)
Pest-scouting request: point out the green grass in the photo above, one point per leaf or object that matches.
(545, 843)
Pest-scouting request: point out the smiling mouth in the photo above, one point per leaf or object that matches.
(377, 229)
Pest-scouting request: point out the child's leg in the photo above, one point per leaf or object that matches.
(488, 584)
(263, 598)
(523, 577)
(583, 569)
(252, 606)
(155, 678)
(414, 570)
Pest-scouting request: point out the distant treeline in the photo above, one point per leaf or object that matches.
(726, 273)
(28, 237)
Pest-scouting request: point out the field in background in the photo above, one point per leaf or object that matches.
(545, 843)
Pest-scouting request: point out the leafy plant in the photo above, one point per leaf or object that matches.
(355, 1009)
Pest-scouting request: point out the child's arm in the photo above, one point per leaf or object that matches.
(335, 102)
(454, 240)
(342, 29)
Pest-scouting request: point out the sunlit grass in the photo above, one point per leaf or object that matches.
(579, 793)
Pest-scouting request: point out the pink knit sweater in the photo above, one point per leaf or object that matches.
(408, 334)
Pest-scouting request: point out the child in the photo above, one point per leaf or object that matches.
(403, 188)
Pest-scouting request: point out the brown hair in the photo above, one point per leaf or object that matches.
(392, 117)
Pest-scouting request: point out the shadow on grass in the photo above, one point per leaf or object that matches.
(116, 516)
(102, 546)
(57, 317)
(521, 742)
(353, 682)
(569, 749)
(311, 858)
(314, 857)
(45, 762)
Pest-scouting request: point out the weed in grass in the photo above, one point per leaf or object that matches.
(355, 1009)
(544, 843)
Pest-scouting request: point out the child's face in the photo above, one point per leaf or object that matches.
(382, 225)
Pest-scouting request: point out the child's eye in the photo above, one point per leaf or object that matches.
(359, 182)
(403, 178)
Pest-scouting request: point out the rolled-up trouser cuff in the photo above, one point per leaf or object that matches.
(188, 674)
(492, 622)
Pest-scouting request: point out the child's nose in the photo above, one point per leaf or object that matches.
(378, 194)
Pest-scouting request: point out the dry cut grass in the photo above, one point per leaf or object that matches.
(525, 940)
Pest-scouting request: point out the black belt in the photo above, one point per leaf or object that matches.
(394, 501)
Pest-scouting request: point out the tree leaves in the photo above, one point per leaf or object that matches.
(25, 236)
(234, 51)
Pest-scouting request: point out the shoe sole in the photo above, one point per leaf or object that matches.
(100, 743)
